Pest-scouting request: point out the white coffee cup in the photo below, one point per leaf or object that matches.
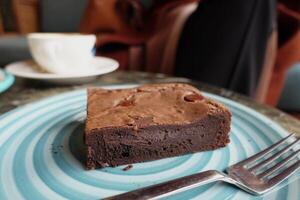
(61, 53)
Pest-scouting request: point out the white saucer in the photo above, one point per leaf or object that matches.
(30, 70)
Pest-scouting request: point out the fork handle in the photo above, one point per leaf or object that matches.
(171, 187)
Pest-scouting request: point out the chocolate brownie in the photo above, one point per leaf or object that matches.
(151, 122)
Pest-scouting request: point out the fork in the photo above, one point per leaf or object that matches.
(256, 175)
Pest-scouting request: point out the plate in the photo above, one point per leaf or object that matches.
(41, 154)
(29, 69)
(6, 80)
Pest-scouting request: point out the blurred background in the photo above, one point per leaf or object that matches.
(251, 47)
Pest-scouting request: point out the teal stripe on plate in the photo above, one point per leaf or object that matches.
(8, 81)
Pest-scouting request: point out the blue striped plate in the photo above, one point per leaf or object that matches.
(41, 155)
(6, 80)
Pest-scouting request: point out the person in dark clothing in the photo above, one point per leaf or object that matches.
(223, 43)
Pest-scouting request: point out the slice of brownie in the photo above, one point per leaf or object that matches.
(151, 122)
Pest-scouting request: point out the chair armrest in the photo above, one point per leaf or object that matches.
(289, 12)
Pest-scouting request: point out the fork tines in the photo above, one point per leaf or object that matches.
(279, 170)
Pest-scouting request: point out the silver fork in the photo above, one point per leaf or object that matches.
(256, 175)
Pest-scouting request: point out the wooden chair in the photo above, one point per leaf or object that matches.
(13, 44)
(26, 17)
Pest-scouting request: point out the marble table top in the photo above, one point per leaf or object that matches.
(25, 91)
